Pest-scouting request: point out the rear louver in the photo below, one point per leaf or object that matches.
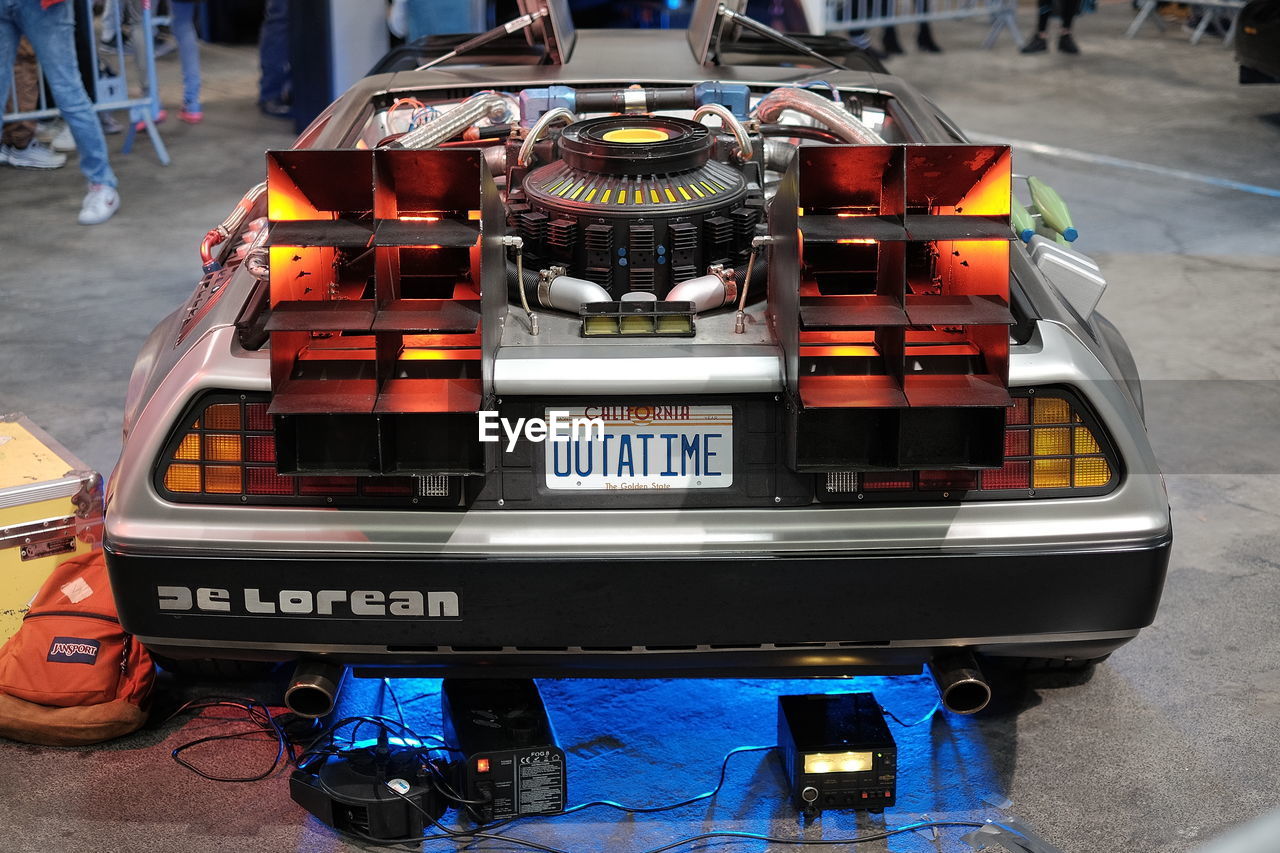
(226, 452)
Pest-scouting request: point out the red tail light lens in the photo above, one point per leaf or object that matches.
(225, 452)
(1053, 447)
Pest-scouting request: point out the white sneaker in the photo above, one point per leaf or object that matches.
(100, 204)
(63, 140)
(34, 156)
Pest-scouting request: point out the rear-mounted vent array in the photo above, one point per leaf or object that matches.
(380, 282)
(226, 452)
(889, 282)
(1050, 451)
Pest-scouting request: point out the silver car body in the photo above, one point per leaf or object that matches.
(1061, 349)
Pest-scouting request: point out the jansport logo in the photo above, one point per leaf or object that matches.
(73, 650)
(252, 601)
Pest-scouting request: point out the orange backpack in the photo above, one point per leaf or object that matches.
(71, 675)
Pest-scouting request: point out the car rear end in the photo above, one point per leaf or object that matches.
(764, 498)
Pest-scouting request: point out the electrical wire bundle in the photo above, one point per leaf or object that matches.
(299, 744)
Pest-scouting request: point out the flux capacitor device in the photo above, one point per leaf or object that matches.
(837, 752)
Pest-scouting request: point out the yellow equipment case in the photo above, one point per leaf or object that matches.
(50, 510)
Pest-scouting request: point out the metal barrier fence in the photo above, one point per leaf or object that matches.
(845, 15)
(108, 86)
(1209, 11)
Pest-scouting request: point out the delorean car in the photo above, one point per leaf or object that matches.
(845, 404)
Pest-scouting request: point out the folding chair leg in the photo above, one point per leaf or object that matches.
(1004, 20)
(162, 153)
(1230, 37)
(1148, 6)
(1206, 15)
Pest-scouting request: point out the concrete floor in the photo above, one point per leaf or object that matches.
(1175, 738)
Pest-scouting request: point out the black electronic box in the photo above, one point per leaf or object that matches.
(377, 789)
(837, 751)
(509, 763)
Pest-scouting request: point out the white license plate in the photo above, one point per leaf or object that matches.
(646, 448)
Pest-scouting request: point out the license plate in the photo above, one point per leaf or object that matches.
(645, 448)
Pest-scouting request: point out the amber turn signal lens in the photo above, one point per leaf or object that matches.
(182, 478)
(1048, 452)
(227, 453)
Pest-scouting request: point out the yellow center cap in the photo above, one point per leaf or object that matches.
(636, 134)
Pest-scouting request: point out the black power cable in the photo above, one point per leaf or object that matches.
(323, 745)
(815, 842)
(937, 706)
(724, 767)
(280, 727)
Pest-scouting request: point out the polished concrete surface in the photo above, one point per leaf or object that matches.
(1174, 739)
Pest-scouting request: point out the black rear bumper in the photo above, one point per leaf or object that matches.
(742, 615)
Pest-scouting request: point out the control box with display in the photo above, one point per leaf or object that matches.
(837, 751)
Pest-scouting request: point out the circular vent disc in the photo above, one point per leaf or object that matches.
(634, 145)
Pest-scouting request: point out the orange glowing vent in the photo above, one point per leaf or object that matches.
(890, 278)
(379, 283)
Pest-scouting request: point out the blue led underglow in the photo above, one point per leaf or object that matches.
(653, 741)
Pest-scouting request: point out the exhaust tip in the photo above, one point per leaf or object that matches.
(961, 686)
(313, 690)
(966, 697)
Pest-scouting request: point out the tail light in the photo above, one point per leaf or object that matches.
(225, 452)
(1053, 447)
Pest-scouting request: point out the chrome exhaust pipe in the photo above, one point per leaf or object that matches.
(313, 689)
(961, 685)
(567, 293)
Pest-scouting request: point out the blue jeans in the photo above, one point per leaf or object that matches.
(182, 22)
(52, 33)
(273, 51)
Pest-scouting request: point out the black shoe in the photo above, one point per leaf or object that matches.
(924, 40)
(278, 109)
(890, 43)
(1036, 45)
(1066, 44)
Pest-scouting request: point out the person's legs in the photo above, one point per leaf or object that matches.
(19, 147)
(183, 24)
(889, 41)
(9, 35)
(109, 16)
(26, 96)
(924, 35)
(1068, 11)
(1038, 44)
(52, 34)
(273, 54)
